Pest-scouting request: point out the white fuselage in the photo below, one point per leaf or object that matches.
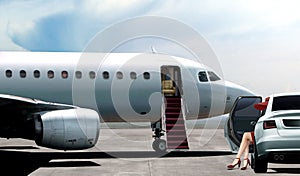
(120, 86)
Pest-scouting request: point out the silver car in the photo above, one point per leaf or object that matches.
(276, 129)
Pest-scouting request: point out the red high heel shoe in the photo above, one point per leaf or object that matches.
(248, 163)
(231, 166)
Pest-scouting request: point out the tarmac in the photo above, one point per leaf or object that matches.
(128, 152)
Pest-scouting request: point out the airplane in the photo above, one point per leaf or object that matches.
(59, 99)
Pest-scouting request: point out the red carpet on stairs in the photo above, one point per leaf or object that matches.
(175, 124)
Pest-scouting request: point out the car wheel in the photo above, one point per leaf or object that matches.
(259, 165)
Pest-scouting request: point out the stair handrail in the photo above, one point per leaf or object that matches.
(163, 115)
(184, 108)
(184, 116)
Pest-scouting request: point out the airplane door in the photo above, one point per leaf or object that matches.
(171, 81)
(242, 118)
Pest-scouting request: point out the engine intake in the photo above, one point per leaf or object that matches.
(71, 129)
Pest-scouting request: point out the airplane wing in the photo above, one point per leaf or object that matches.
(52, 125)
(15, 104)
(11, 105)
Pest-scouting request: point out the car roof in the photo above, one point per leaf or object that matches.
(285, 94)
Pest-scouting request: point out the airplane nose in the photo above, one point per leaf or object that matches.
(233, 92)
(237, 90)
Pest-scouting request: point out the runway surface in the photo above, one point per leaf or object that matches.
(128, 152)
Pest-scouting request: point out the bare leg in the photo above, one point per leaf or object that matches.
(246, 153)
(244, 147)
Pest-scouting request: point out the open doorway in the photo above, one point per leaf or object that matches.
(171, 81)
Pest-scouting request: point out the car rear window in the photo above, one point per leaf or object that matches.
(286, 103)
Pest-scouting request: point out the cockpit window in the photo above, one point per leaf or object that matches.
(213, 76)
(202, 76)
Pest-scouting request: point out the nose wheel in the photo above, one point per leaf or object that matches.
(159, 145)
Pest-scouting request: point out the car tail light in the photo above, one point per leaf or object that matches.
(270, 124)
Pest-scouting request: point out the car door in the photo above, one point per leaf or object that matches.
(242, 118)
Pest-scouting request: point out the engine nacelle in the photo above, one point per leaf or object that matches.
(70, 129)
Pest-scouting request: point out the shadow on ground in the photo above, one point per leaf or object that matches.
(24, 163)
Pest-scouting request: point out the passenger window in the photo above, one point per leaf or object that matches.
(92, 75)
(50, 74)
(64, 74)
(36, 74)
(132, 75)
(146, 75)
(8, 73)
(119, 75)
(78, 74)
(202, 76)
(213, 76)
(22, 73)
(105, 75)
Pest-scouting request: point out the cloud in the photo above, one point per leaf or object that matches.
(58, 26)
(110, 10)
(19, 18)
(69, 25)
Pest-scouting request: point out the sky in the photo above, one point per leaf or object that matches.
(256, 41)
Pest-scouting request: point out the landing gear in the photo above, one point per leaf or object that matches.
(158, 133)
(159, 145)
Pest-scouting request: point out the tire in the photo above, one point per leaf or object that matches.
(259, 165)
(159, 145)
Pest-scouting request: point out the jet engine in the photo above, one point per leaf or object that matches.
(69, 129)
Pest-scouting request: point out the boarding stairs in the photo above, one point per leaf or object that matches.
(174, 119)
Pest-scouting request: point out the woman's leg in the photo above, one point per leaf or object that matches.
(246, 153)
(246, 140)
(244, 147)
